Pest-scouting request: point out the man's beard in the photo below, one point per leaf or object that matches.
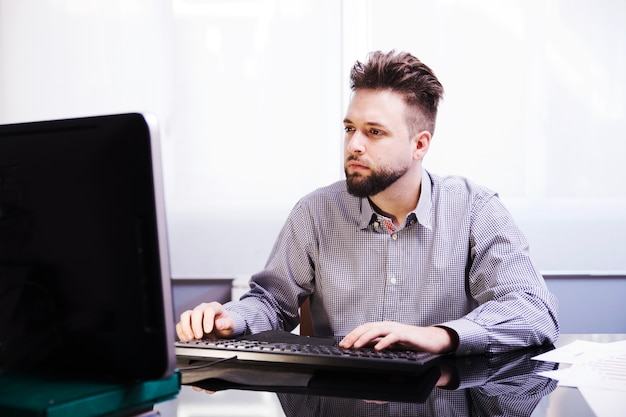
(378, 181)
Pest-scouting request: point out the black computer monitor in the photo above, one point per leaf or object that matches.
(84, 268)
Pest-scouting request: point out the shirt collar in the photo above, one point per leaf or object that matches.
(425, 203)
(422, 211)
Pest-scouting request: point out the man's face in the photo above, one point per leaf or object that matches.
(378, 149)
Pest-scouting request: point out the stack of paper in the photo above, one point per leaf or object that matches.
(598, 370)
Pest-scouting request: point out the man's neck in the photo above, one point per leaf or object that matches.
(399, 199)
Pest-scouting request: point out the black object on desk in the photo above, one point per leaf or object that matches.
(504, 384)
(283, 362)
(86, 323)
(278, 347)
(84, 268)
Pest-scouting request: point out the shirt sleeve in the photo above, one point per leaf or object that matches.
(275, 294)
(515, 308)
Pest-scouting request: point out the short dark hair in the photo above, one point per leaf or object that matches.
(405, 74)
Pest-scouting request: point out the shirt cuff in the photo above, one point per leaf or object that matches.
(241, 326)
(473, 339)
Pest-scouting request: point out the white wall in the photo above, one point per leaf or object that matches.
(256, 88)
(251, 95)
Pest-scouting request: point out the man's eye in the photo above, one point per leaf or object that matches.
(348, 129)
(375, 132)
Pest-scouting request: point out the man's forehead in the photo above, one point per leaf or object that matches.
(376, 108)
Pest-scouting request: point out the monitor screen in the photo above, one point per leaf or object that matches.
(84, 269)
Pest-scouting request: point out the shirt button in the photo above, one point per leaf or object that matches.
(468, 352)
(393, 280)
(376, 224)
(394, 236)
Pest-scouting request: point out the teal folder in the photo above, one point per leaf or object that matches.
(26, 395)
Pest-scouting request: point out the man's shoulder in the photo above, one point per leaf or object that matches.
(330, 202)
(451, 185)
(336, 191)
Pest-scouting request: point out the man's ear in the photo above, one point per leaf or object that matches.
(421, 143)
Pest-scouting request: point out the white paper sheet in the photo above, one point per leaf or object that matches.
(598, 370)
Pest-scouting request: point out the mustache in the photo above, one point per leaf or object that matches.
(352, 157)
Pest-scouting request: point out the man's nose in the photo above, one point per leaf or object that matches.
(355, 143)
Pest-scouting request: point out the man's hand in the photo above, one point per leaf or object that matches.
(205, 319)
(386, 334)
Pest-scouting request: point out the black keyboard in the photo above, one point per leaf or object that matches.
(314, 355)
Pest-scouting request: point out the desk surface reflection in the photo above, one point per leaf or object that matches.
(505, 385)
